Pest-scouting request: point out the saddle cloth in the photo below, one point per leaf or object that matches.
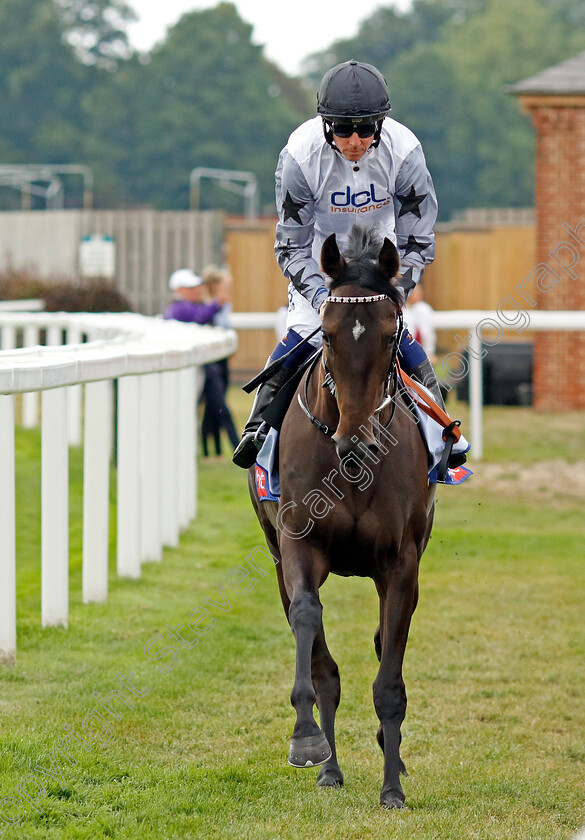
(266, 467)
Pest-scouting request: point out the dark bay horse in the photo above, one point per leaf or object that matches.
(355, 500)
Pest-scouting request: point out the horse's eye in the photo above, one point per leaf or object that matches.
(390, 340)
(326, 340)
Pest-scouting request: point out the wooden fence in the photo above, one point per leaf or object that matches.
(480, 258)
(259, 286)
(477, 265)
(149, 246)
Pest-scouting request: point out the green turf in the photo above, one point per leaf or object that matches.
(494, 738)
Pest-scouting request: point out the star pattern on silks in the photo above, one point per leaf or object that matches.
(413, 246)
(296, 280)
(291, 208)
(286, 252)
(410, 203)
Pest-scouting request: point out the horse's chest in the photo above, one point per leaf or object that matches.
(359, 546)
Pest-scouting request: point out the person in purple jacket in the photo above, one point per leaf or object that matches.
(188, 304)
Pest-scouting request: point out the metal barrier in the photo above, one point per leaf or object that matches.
(153, 363)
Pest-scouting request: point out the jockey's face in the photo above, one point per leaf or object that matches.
(354, 147)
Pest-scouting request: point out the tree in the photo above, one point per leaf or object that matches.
(97, 30)
(497, 47)
(448, 63)
(40, 84)
(207, 97)
(389, 33)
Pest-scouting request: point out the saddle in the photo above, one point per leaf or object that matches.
(439, 433)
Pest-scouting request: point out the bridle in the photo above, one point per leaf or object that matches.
(329, 382)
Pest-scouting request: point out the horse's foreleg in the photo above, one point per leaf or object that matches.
(325, 676)
(308, 745)
(397, 600)
(303, 572)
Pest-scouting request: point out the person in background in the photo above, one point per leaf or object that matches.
(195, 301)
(189, 305)
(418, 316)
(216, 414)
(280, 329)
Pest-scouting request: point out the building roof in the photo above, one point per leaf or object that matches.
(564, 79)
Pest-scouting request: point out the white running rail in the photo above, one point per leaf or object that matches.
(479, 330)
(154, 363)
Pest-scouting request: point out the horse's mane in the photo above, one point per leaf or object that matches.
(362, 269)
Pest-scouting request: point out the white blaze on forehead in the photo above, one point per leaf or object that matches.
(358, 330)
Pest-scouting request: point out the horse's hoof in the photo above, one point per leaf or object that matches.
(392, 800)
(309, 750)
(330, 777)
(402, 768)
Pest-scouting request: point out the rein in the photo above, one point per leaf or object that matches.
(327, 430)
(329, 382)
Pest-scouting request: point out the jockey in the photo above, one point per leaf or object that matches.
(350, 163)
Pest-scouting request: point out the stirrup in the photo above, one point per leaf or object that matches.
(449, 460)
(248, 448)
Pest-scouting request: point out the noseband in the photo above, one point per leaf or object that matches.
(329, 382)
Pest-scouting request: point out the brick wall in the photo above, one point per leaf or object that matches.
(559, 372)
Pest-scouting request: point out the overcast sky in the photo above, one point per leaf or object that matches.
(288, 31)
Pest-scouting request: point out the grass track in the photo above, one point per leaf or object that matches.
(494, 738)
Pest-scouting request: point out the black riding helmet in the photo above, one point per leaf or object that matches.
(353, 92)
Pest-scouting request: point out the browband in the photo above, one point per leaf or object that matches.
(364, 299)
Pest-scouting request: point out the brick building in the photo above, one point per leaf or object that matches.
(555, 99)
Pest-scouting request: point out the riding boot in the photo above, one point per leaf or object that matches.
(424, 374)
(256, 429)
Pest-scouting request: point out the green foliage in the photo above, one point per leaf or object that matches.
(71, 92)
(389, 33)
(448, 63)
(495, 48)
(63, 295)
(21, 285)
(40, 83)
(96, 296)
(207, 98)
(96, 29)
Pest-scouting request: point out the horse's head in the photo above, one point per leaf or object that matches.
(360, 333)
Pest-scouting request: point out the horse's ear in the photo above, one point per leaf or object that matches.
(388, 259)
(332, 262)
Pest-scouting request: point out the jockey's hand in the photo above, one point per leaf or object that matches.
(320, 295)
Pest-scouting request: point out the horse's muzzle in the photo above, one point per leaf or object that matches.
(356, 450)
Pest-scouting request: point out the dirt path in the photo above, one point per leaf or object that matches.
(545, 480)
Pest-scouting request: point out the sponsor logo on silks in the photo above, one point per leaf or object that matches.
(346, 201)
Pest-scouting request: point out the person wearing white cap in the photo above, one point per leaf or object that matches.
(188, 304)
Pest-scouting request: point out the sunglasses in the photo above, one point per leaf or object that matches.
(345, 130)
